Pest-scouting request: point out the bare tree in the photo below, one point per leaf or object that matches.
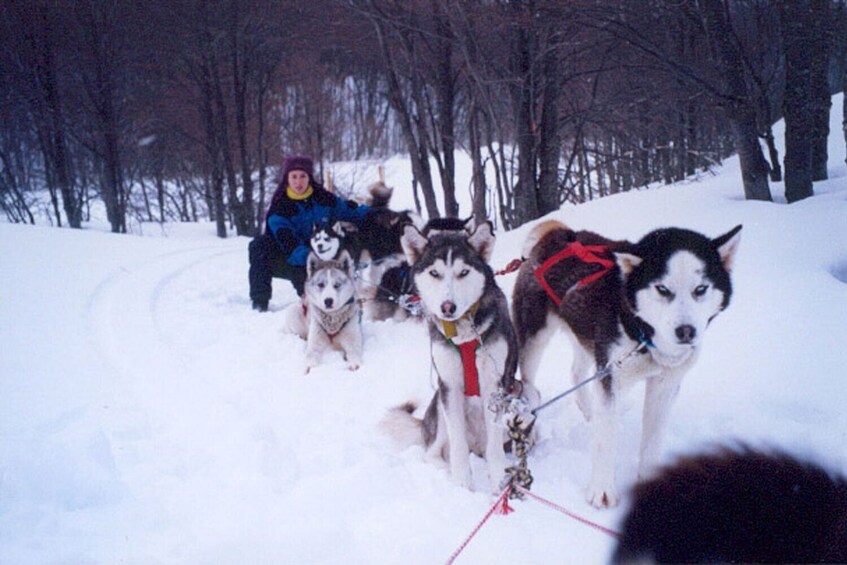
(31, 32)
(102, 56)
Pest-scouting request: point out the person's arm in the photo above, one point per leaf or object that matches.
(282, 229)
(349, 211)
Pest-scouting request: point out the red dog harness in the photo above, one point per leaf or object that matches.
(467, 351)
(586, 254)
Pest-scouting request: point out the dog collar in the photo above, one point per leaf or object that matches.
(636, 328)
(448, 327)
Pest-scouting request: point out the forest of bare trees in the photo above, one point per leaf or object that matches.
(181, 110)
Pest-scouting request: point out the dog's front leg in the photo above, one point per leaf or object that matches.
(495, 456)
(453, 404)
(353, 348)
(316, 342)
(659, 394)
(601, 491)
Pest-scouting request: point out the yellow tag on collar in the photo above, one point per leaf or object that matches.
(449, 329)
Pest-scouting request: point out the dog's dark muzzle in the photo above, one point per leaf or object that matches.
(686, 333)
(448, 309)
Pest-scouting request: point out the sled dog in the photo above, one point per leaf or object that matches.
(327, 241)
(380, 262)
(737, 506)
(328, 316)
(474, 349)
(641, 309)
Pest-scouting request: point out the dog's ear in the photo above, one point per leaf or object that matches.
(482, 240)
(413, 243)
(627, 262)
(312, 263)
(346, 261)
(726, 246)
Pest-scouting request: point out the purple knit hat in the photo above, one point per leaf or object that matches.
(298, 163)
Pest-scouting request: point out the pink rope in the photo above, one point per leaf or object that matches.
(567, 512)
(500, 506)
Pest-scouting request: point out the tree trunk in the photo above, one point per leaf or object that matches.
(245, 222)
(550, 140)
(216, 198)
(50, 112)
(160, 196)
(822, 39)
(741, 112)
(101, 43)
(446, 102)
(523, 97)
(478, 173)
(797, 43)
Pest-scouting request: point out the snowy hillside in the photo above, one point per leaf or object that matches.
(148, 415)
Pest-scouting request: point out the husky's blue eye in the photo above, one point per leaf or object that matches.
(663, 291)
(701, 290)
(463, 273)
(434, 274)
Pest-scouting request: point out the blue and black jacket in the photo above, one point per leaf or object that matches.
(291, 222)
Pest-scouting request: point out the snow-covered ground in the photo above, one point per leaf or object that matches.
(148, 415)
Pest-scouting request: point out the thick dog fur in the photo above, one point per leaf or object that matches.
(737, 506)
(665, 289)
(328, 316)
(451, 273)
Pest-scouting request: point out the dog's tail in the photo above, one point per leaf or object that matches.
(538, 232)
(402, 427)
(380, 195)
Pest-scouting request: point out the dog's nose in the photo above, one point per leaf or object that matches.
(448, 308)
(328, 302)
(686, 333)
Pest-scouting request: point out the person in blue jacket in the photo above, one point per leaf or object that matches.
(297, 206)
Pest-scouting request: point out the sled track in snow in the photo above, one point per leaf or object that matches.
(123, 310)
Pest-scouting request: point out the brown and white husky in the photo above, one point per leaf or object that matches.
(612, 298)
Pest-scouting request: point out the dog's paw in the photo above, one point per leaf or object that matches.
(465, 483)
(602, 497)
(353, 366)
(462, 479)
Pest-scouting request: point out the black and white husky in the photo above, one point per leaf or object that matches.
(328, 316)
(639, 309)
(474, 349)
(327, 241)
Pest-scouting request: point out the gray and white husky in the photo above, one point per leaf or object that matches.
(641, 309)
(474, 349)
(328, 316)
